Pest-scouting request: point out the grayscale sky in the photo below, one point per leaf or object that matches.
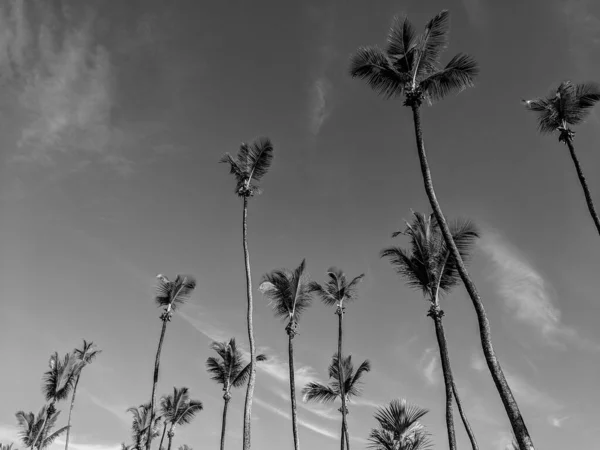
(113, 118)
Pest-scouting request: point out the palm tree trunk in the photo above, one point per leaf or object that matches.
(510, 405)
(464, 418)
(347, 436)
(293, 390)
(162, 437)
(343, 435)
(71, 412)
(42, 427)
(341, 376)
(586, 191)
(252, 378)
(170, 435)
(155, 380)
(224, 424)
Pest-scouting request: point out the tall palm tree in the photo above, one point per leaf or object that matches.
(170, 295)
(409, 66)
(144, 426)
(36, 430)
(345, 384)
(569, 104)
(230, 371)
(399, 428)
(429, 267)
(84, 355)
(337, 291)
(178, 409)
(248, 167)
(290, 295)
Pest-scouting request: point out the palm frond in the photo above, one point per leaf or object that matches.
(188, 411)
(317, 392)
(58, 381)
(52, 437)
(242, 377)
(289, 292)
(431, 44)
(588, 94)
(250, 165)
(458, 75)
(411, 269)
(401, 44)
(373, 65)
(217, 370)
(464, 234)
(399, 428)
(337, 289)
(87, 353)
(174, 293)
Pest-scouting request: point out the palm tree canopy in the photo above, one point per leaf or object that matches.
(289, 292)
(399, 428)
(337, 289)
(230, 369)
(428, 264)
(317, 392)
(30, 425)
(410, 63)
(250, 164)
(140, 425)
(7, 446)
(178, 408)
(569, 104)
(86, 354)
(58, 381)
(174, 293)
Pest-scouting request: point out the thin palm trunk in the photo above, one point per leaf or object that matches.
(224, 423)
(464, 418)
(71, 412)
(510, 405)
(160, 446)
(347, 436)
(170, 435)
(252, 378)
(293, 390)
(39, 444)
(586, 191)
(343, 435)
(341, 376)
(155, 381)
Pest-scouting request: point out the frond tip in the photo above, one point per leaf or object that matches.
(250, 164)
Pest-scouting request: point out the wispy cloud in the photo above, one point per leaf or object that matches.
(319, 107)
(557, 421)
(119, 411)
(528, 394)
(430, 366)
(476, 12)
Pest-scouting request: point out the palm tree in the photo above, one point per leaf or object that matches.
(568, 105)
(290, 295)
(84, 355)
(7, 446)
(178, 409)
(334, 292)
(170, 295)
(429, 267)
(248, 167)
(36, 430)
(229, 370)
(409, 67)
(141, 429)
(185, 447)
(399, 428)
(345, 384)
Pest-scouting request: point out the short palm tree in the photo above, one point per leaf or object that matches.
(185, 447)
(248, 167)
(141, 428)
(565, 106)
(177, 410)
(409, 67)
(290, 295)
(230, 371)
(170, 295)
(345, 384)
(84, 355)
(7, 446)
(36, 430)
(399, 428)
(337, 291)
(429, 267)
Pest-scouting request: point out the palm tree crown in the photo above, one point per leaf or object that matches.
(58, 381)
(87, 352)
(337, 289)
(178, 408)
(36, 430)
(250, 164)
(141, 427)
(410, 64)
(399, 428)
(172, 294)
(569, 104)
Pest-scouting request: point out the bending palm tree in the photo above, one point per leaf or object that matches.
(345, 384)
(178, 409)
(36, 431)
(290, 295)
(229, 371)
(141, 429)
(170, 295)
(409, 66)
(85, 355)
(428, 267)
(334, 292)
(399, 428)
(248, 167)
(568, 105)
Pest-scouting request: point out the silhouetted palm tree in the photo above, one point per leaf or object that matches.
(399, 428)
(428, 266)
(290, 295)
(84, 355)
(345, 384)
(568, 105)
(36, 430)
(178, 409)
(248, 167)
(229, 371)
(169, 295)
(337, 291)
(141, 428)
(409, 67)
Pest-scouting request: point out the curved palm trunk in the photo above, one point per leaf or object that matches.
(170, 435)
(155, 381)
(160, 446)
(586, 191)
(464, 418)
(71, 412)
(37, 438)
(293, 390)
(510, 405)
(224, 423)
(252, 378)
(341, 378)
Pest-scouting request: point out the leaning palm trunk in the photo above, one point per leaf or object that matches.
(226, 397)
(160, 446)
(170, 435)
(510, 405)
(291, 333)
(464, 418)
(155, 379)
(341, 378)
(586, 191)
(37, 441)
(252, 378)
(71, 412)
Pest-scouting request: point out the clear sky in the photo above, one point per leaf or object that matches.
(113, 118)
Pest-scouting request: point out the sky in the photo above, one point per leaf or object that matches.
(113, 118)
